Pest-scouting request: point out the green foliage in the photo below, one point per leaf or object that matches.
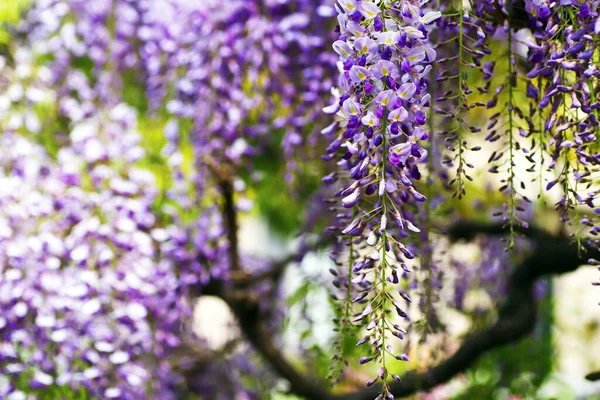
(85, 65)
(284, 208)
(10, 13)
(134, 91)
(519, 369)
(53, 392)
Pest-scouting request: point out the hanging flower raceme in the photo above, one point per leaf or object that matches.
(564, 56)
(385, 60)
(264, 70)
(463, 44)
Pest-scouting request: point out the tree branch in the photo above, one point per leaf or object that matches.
(516, 318)
(222, 174)
(253, 324)
(230, 215)
(261, 338)
(468, 229)
(273, 273)
(593, 376)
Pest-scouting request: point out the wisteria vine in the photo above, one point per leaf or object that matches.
(135, 133)
(386, 54)
(382, 109)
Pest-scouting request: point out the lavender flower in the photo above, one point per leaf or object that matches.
(385, 56)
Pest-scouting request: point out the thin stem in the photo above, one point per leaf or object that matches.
(384, 238)
(349, 289)
(541, 138)
(426, 252)
(459, 112)
(510, 134)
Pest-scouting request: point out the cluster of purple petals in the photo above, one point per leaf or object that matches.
(113, 38)
(92, 294)
(117, 272)
(381, 108)
(563, 84)
(94, 286)
(264, 69)
(557, 128)
(266, 66)
(378, 143)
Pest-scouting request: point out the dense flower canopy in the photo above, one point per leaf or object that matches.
(88, 289)
(123, 121)
(95, 284)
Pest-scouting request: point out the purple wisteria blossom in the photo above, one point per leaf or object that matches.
(90, 297)
(118, 256)
(385, 59)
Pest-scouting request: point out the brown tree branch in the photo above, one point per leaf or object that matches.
(254, 325)
(468, 229)
(593, 376)
(224, 181)
(259, 335)
(230, 215)
(517, 318)
(274, 272)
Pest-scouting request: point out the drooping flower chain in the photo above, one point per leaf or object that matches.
(564, 51)
(382, 112)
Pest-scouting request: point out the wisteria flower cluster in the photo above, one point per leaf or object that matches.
(89, 288)
(383, 140)
(563, 55)
(383, 106)
(264, 59)
(118, 271)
